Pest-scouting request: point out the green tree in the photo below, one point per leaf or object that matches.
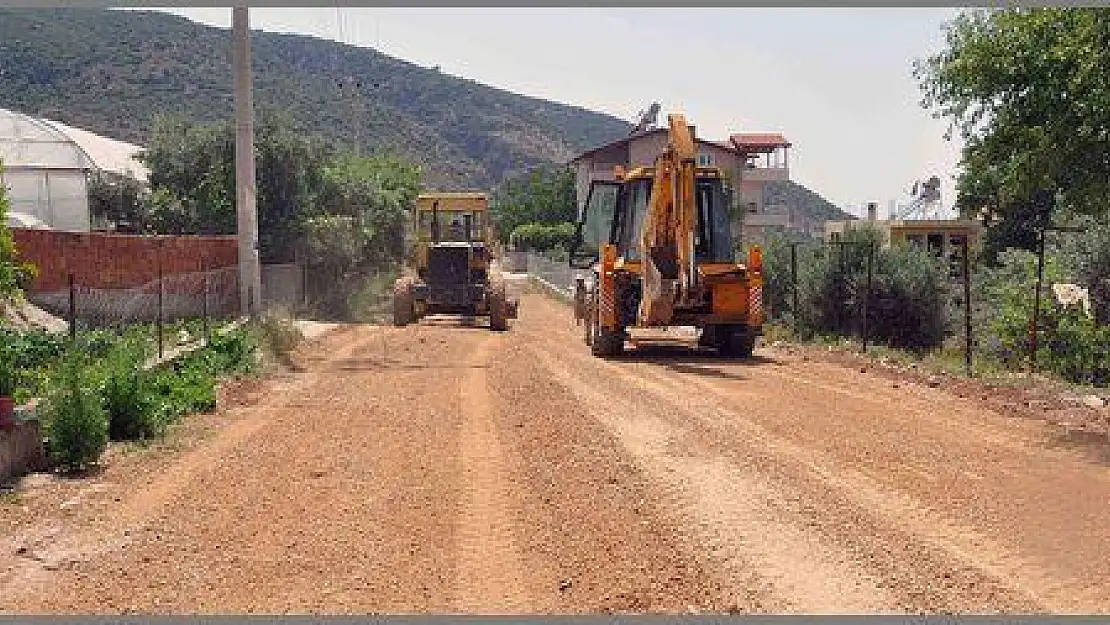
(536, 237)
(15, 275)
(346, 211)
(1029, 90)
(192, 177)
(541, 196)
(193, 180)
(360, 216)
(118, 200)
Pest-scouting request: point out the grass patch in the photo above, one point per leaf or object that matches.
(276, 336)
(10, 497)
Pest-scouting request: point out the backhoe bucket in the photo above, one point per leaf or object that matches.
(660, 282)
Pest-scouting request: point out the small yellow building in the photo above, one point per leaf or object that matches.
(943, 237)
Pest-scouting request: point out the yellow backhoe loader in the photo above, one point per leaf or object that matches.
(658, 242)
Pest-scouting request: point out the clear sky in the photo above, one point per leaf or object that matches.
(837, 82)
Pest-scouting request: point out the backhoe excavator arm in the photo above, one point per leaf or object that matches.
(667, 240)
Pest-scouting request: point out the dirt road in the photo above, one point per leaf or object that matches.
(447, 469)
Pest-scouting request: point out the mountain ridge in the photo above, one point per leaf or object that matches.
(112, 71)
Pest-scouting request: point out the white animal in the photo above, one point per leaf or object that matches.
(1068, 295)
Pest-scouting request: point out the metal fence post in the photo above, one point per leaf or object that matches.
(867, 295)
(967, 308)
(304, 276)
(204, 306)
(794, 284)
(161, 340)
(72, 310)
(1036, 305)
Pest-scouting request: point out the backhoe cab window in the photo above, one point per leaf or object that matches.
(597, 218)
(452, 225)
(638, 194)
(713, 236)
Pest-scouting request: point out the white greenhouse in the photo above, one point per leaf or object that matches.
(46, 166)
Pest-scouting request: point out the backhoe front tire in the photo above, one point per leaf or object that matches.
(604, 343)
(608, 343)
(589, 317)
(404, 309)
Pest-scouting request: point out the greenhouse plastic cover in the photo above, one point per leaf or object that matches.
(29, 142)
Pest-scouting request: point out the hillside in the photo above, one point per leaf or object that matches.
(112, 72)
(803, 199)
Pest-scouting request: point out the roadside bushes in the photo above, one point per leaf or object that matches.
(907, 305)
(76, 421)
(776, 275)
(113, 397)
(127, 398)
(537, 237)
(1071, 344)
(909, 293)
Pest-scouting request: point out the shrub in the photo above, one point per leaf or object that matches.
(76, 422)
(371, 298)
(15, 274)
(279, 335)
(1087, 258)
(183, 388)
(231, 353)
(539, 237)
(558, 254)
(776, 274)
(126, 394)
(1076, 348)
(908, 299)
(906, 307)
(1070, 344)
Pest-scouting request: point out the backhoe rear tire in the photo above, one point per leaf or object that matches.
(404, 310)
(736, 343)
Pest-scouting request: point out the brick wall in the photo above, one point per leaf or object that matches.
(20, 450)
(117, 261)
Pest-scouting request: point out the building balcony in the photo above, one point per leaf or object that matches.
(765, 174)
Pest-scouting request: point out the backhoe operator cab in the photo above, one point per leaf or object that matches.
(614, 213)
(724, 304)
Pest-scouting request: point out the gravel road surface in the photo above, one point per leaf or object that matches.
(450, 469)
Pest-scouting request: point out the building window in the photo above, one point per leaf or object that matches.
(704, 160)
(935, 243)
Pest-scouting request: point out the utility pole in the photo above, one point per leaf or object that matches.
(250, 277)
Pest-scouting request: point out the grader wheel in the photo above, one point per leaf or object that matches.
(404, 310)
(498, 306)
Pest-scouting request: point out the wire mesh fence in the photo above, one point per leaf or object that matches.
(168, 305)
(557, 275)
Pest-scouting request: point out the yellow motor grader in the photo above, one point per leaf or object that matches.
(453, 257)
(658, 242)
